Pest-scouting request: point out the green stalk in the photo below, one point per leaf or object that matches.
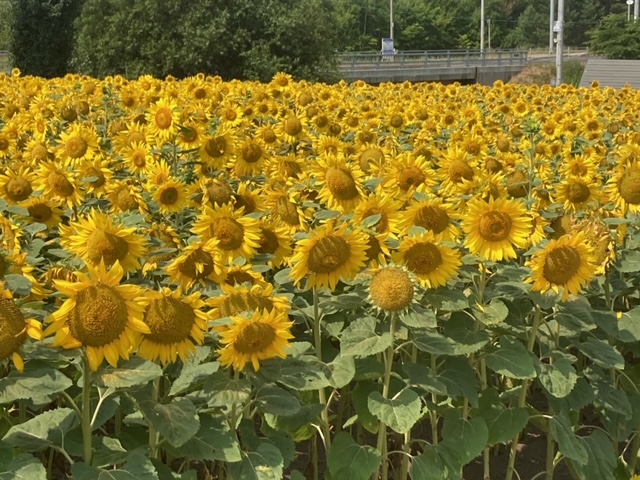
(86, 410)
(522, 400)
(551, 452)
(153, 433)
(433, 415)
(322, 394)
(404, 467)
(486, 454)
(635, 451)
(382, 428)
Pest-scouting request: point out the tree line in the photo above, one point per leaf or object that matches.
(254, 39)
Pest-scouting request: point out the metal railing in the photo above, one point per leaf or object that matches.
(427, 58)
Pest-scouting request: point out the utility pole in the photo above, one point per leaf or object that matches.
(560, 45)
(481, 26)
(391, 19)
(636, 11)
(489, 32)
(552, 13)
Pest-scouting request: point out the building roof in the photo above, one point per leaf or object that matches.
(611, 73)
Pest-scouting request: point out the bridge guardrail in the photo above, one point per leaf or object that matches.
(421, 59)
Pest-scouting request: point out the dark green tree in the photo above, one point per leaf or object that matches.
(616, 38)
(245, 39)
(42, 35)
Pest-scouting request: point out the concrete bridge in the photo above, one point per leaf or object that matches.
(445, 66)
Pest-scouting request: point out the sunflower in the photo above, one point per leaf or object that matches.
(380, 204)
(457, 171)
(431, 262)
(16, 262)
(238, 299)
(44, 211)
(250, 157)
(565, 264)
(215, 192)
(161, 120)
(132, 133)
(578, 194)
(171, 196)
(496, 227)
(624, 188)
(198, 262)
(392, 289)
(262, 336)
(191, 136)
(230, 114)
(100, 314)
(14, 330)
(341, 183)
(287, 207)
(17, 186)
(126, 197)
(292, 127)
(176, 322)
(96, 175)
(377, 252)
(248, 197)
(96, 238)
(329, 255)
(407, 174)
(600, 239)
(434, 215)
(242, 274)
(59, 184)
(78, 142)
(237, 235)
(216, 151)
(37, 151)
(285, 167)
(275, 241)
(138, 157)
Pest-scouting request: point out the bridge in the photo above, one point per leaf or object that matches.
(445, 66)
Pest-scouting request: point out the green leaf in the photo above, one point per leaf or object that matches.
(176, 421)
(265, 463)
(108, 451)
(493, 314)
(428, 466)
(299, 424)
(629, 326)
(17, 284)
(557, 378)
(24, 467)
(419, 317)
(433, 342)
(213, 441)
(45, 430)
(360, 399)
(19, 386)
(422, 377)
(568, 443)
(137, 467)
(224, 391)
(601, 458)
(400, 413)
(304, 373)
(628, 261)
(276, 401)
(581, 396)
(447, 300)
(360, 339)
(343, 369)
(465, 341)
(349, 460)
(609, 397)
(511, 360)
(192, 374)
(602, 353)
(464, 438)
(459, 378)
(134, 372)
(503, 423)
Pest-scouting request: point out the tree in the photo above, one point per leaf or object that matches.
(42, 35)
(245, 39)
(616, 38)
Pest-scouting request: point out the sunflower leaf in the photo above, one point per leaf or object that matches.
(42, 431)
(265, 463)
(176, 421)
(24, 467)
(361, 340)
(347, 459)
(16, 385)
(400, 413)
(136, 371)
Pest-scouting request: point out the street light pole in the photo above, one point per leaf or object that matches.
(489, 32)
(560, 45)
(482, 26)
(552, 12)
(636, 11)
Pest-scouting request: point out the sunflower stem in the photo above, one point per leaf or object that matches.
(522, 400)
(382, 427)
(551, 451)
(153, 433)
(635, 451)
(322, 393)
(433, 415)
(86, 411)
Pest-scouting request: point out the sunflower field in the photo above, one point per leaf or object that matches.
(203, 279)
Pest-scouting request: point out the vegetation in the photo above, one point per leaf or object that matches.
(617, 38)
(203, 279)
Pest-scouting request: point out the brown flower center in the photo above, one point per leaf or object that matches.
(99, 316)
(198, 265)
(164, 118)
(76, 147)
(341, 183)
(254, 338)
(107, 246)
(578, 193)
(12, 328)
(40, 212)
(216, 147)
(170, 320)
(292, 126)
(494, 226)
(18, 189)
(561, 265)
(391, 289)
(629, 187)
(432, 218)
(328, 254)
(237, 303)
(411, 176)
(229, 232)
(60, 185)
(251, 153)
(169, 196)
(423, 258)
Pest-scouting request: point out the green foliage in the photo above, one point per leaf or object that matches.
(616, 38)
(43, 35)
(248, 40)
